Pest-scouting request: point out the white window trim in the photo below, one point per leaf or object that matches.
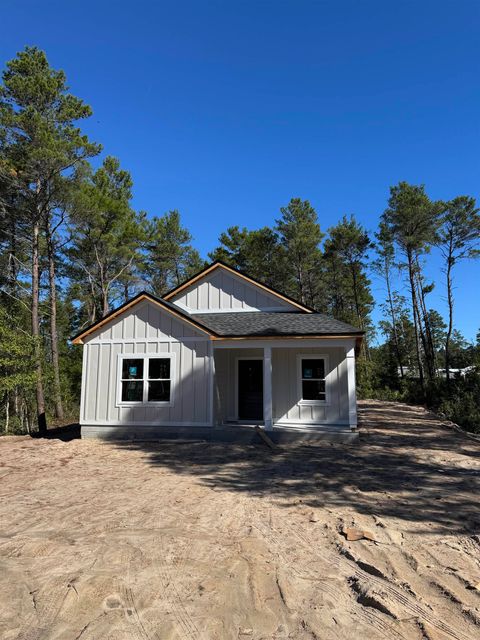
(313, 356)
(144, 403)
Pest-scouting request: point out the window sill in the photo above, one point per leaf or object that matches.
(144, 404)
(314, 403)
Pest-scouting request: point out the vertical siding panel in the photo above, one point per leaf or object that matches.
(129, 326)
(198, 376)
(175, 413)
(86, 378)
(188, 390)
(237, 294)
(215, 293)
(165, 325)
(96, 379)
(343, 389)
(117, 329)
(200, 294)
(280, 383)
(152, 315)
(250, 296)
(142, 321)
(103, 375)
(223, 290)
(114, 412)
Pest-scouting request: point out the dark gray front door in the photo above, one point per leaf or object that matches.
(250, 390)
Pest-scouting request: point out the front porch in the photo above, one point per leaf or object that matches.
(286, 386)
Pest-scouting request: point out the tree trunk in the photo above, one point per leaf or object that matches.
(7, 413)
(12, 265)
(361, 322)
(415, 320)
(105, 305)
(57, 391)
(427, 337)
(450, 316)
(393, 315)
(41, 416)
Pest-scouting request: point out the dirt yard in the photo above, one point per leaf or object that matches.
(209, 541)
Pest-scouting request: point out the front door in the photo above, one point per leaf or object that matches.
(250, 390)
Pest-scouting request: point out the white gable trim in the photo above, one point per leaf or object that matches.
(90, 332)
(189, 285)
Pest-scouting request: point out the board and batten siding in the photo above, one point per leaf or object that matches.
(225, 291)
(147, 329)
(287, 406)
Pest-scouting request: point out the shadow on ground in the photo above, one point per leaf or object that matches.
(65, 433)
(405, 466)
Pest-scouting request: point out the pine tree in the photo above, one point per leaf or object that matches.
(412, 220)
(347, 247)
(300, 235)
(458, 239)
(106, 237)
(42, 145)
(169, 258)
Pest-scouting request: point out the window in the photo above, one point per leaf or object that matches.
(312, 379)
(145, 379)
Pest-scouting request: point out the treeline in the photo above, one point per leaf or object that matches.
(72, 247)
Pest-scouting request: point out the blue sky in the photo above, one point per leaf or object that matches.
(226, 110)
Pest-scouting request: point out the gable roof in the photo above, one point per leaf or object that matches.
(268, 324)
(144, 295)
(218, 264)
(248, 324)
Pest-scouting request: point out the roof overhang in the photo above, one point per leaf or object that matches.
(79, 338)
(287, 336)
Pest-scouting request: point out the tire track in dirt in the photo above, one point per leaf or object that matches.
(169, 593)
(370, 618)
(47, 603)
(397, 595)
(134, 617)
(405, 601)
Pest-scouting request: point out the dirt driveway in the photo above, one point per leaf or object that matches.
(214, 541)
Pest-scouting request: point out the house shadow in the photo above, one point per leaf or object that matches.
(65, 433)
(403, 470)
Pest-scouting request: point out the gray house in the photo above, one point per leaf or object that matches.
(221, 352)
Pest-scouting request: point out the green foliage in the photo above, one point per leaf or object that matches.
(170, 258)
(459, 233)
(345, 263)
(459, 400)
(16, 355)
(17, 369)
(72, 246)
(106, 236)
(300, 236)
(412, 218)
(258, 253)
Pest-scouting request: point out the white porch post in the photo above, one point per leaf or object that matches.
(211, 390)
(267, 387)
(352, 394)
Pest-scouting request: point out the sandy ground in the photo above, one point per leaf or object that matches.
(208, 541)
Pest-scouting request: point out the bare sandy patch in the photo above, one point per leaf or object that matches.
(216, 541)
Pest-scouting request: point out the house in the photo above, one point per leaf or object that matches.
(216, 354)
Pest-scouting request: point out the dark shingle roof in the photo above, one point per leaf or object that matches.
(261, 323)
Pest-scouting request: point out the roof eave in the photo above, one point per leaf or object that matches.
(143, 295)
(357, 336)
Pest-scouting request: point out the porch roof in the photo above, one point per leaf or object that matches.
(262, 323)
